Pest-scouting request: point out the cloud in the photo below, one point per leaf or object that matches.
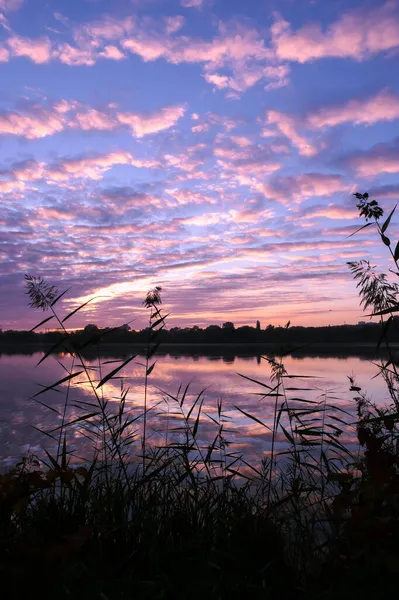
(4, 55)
(331, 211)
(90, 118)
(384, 106)
(73, 56)
(143, 124)
(357, 34)
(107, 28)
(92, 167)
(173, 24)
(38, 50)
(38, 121)
(235, 59)
(388, 192)
(288, 125)
(112, 53)
(238, 49)
(7, 187)
(293, 189)
(278, 76)
(192, 3)
(241, 141)
(68, 169)
(183, 196)
(10, 5)
(201, 128)
(246, 162)
(381, 158)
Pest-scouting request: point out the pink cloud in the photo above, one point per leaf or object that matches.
(39, 123)
(219, 81)
(187, 196)
(147, 47)
(65, 106)
(288, 190)
(108, 28)
(241, 141)
(331, 211)
(278, 75)
(246, 162)
(384, 106)
(143, 124)
(382, 158)
(192, 3)
(7, 187)
(4, 55)
(70, 55)
(112, 53)
(288, 125)
(204, 220)
(90, 118)
(9, 5)
(357, 34)
(67, 169)
(200, 128)
(93, 167)
(238, 49)
(38, 50)
(173, 24)
(29, 170)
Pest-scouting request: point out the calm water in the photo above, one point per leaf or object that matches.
(20, 379)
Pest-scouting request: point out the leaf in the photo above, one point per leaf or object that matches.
(255, 381)
(115, 371)
(53, 347)
(386, 240)
(195, 404)
(385, 225)
(386, 311)
(357, 230)
(153, 325)
(252, 417)
(153, 350)
(76, 310)
(82, 418)
(195, 428)
(60, 296)
(41, 323)
(383, 334)
(288, 435)
(63, 380)
(150, 369)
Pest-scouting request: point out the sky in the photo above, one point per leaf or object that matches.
(208, 146)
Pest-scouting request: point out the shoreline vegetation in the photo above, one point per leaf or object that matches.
(315, 517)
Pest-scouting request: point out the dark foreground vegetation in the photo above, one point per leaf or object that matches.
(185, 519)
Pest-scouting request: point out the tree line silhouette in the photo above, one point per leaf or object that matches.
(363, 332)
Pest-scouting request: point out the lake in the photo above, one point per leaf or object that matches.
(217, 374)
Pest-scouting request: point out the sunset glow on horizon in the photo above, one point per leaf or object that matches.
(208, 146)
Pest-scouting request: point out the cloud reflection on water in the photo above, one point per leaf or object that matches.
(218, 376)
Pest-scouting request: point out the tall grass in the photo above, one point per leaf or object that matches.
(185, 518)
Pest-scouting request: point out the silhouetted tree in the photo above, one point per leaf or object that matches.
(91, 328)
